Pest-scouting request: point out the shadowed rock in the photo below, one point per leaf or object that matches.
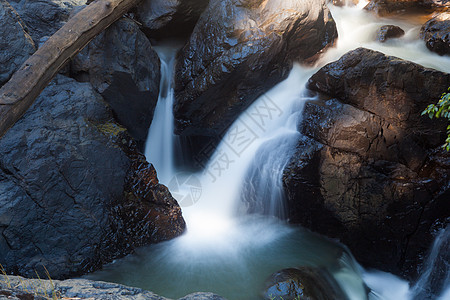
(15, 43)
(169, 18)
(304, 283)
(74, 192)
(122, 66)
(387, 32)
(44, 17)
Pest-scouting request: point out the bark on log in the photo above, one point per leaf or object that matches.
(19, 93)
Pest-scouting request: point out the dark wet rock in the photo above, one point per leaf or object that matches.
(434, 279)
(389, 7)
(239, 50)
(169, 18)
(15, 43)
(302, 283)
(370, 170)
(85, 289)
(436, 34)
(122, 66)
(44, 17)
(387, 32)
(74, 192)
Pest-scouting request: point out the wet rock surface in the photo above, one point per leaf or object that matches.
(84, 289)
(122, 66)
(304, 283)
(15, 43)
(74, 192)
(436, 34)
(389, 7)
(370, 170)
(173, 18)
(387, 32)
(237, 51)
(44, 17)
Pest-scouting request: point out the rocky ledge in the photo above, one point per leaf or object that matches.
(14, 287)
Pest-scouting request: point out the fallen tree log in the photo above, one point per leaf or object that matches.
(19, 93)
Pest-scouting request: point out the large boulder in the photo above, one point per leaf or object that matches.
(237, 51)
(304, 283)
(390, 7)
(44, 17)
(370, 170)
(122, 66)
(15, 43)
(436, 34)
(173, 18)
(74, 192)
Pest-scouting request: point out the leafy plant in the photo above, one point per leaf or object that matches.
(441, 109)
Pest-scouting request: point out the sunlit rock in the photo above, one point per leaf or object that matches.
(237, 51)
(436, 34)
(370, 170)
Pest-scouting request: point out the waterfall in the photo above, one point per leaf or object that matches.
(227, 251)
(159, 148)
(435, 278)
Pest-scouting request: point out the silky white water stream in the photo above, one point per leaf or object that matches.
(224, 250)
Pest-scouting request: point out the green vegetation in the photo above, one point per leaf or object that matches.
(441, 109)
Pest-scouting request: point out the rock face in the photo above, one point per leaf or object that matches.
(86, 289)
(436, 34)
(44, 17)
(122, 66)
(237, 51)
(388, 7)
(173, 18)
(74, 192)
(370, 170)
(387, 32)
(15, 44)
(302, 283)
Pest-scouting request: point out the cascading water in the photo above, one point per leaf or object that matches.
(161, 139)
(232, 253)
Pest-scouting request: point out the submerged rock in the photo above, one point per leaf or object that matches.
(303, 283)
(74, 192)
(387, 32)
(436, 34)
(15, 43)
(238, 50)
(370, 170)
(169, 18)
(122, 66)
(44, 17)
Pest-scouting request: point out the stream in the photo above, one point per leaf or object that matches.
(231, 253)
